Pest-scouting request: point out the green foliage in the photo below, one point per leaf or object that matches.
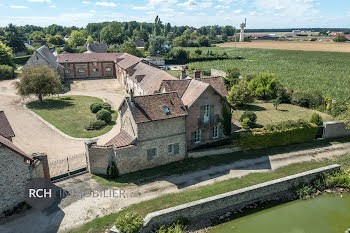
(198, 52)
(284, 125)
(77, 38)
(316, 119)
(56, 40)
(226, 120)
(21, 60)
(307, 99)
(304, 191)
(106, 106)
(6, 56)
(39, 81)
(95, 125)
(247, 124)
(232, 77)
(104, 115)
(250, 115)
(340, 38)
(178, 227)
(264, 86)
(95, 107)
(157, 45)
(6, 72)
(14, 38)
(276, 136)
(130, 47)
(240, 94)
(128, 223)
(181, 56)
(276, 102)
(112, 170)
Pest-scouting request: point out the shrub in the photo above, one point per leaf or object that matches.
(338, 108)
(248, 114)
(112, 171)
(104, 115)
(240, 94)
(226, 121)
(128, 223)
(106, 106)
(276, 102)
(264, 86)
(304, 191)
(316, 119)
(307, 100)
(247, 124)
(95, 107)
(6, 72)
(232, 77)
(95, 125)
(284, 125)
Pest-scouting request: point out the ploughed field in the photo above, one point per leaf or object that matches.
(301, 70)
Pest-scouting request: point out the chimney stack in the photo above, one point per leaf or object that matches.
(197, 73)
(183, 73)
(131, 96)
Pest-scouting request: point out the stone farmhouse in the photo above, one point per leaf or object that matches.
(17, 168)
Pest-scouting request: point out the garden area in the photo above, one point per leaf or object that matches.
(74, 115)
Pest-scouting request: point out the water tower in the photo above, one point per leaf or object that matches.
(243, 25)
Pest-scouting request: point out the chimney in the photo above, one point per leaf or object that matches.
(183, 74)
(197, 73)
(131, 96)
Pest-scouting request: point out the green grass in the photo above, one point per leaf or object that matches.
(70, 114)
(170, 200)
(267, 114)
(301, 70)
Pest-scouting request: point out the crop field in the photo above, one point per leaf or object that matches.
(327, 72)
(292, 45)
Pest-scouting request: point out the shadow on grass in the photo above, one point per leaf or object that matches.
(252, 107)
(51, 104)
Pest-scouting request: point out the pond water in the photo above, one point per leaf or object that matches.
(323, 214)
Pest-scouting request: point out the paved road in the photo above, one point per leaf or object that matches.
(74, 211)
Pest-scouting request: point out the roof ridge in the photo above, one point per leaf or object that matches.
(165, 93)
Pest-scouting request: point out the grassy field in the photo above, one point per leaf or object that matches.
(301, 70)
(70, 114)
(166, 201)
(267, 114)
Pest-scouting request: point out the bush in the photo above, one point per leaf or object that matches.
(284, 125)
(247, 124)
(316, 119)
(95, 107)
(6, 72)
(240, 94)
(265, 86)
(128, 223)
(106, 106)
(95, 125)
(226, 120)
(104, 115)
(248, 114)
(112, 171)
(307, 100)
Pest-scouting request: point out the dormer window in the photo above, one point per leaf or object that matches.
(166, 110)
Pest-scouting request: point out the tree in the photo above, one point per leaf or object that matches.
(112, 34)
(157, 45)
(203, 41)
(340, 38)
(232, 77)
(130, 47)
(180, 55)
(264, 86)
(157, 26)
(6, 56)
(240, 94)
(39, 81)
(77, 38)
(14, 38)
(90, 40)
(276, 102)
(226, 120)
(37, 35)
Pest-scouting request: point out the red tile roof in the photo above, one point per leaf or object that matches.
(11, 146)
(126, 60)
(122, 139)
(179, 86)
(193, 91)
(5, 127)
(217, 83)
(154, 107)
(87, 57)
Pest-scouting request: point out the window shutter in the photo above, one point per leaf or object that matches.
(149, 154)
(176, 148)
(192, 138)
(202, 135)
(211, 109)
(202, 113)
(220, 131)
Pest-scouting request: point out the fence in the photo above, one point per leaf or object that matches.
(64, 168)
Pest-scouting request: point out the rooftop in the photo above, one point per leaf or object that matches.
(5, 127)
(217, 83)
(122, 139)
(126, 60)
(87, 57)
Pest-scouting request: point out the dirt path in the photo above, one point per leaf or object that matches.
(74, 211)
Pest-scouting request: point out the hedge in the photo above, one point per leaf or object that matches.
(21, 60)
(6, 72)
(258, 140)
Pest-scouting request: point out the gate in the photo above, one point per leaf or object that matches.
(67, 167)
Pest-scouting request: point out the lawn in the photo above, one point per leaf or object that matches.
(70, 114)
(170, 200)
(301, 70)
(267, 114)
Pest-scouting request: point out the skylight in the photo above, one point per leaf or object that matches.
(166, 110)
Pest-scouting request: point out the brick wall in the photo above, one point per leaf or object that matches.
(89, 70)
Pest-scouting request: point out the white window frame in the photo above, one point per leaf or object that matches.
(95, 69)
(206, 116)
(81, 70)
(215, 132)
(172, 146)
(108, 69)
(156, 152)
(197, 136)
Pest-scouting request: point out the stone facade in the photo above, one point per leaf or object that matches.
(89, 70)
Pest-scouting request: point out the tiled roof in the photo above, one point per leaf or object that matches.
(11, 146)
(127, 60)
(121, 140)
(5, 127)
(193, 91)
(87, 57)
(217, 83)
(97, 48)
(156, 107)
(48, 56)
(152, 77)
(179, 85)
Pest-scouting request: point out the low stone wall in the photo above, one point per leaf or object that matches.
(202, 153)
(219, 204)
(214, 72)
(334, 129)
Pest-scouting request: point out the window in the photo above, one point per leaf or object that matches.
(197, 136)
(66, 71)
(152, 153)
(95, 69)
(215, 132)
(81, 71)
(166, 110)
(173, 149)
(206, 113)
(108, 69)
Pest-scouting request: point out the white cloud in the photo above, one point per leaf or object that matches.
(221, 7)
(151, 13)
(18, 7)
(237, 11)
(85, 2)
(108, 4)
(194, 5)
(52, 6)
(48, 1)
(141, 7)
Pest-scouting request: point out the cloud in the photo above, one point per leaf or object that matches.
(237, 11)
(18, 7)
(85, 2)
(141, 7)
(48, 1)
(194, 5)
(52, 6)
(221, 7)
(109, 4)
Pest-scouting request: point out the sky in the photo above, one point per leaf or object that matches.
(259, 13)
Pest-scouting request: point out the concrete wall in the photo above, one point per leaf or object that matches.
(333, 129)
(219, 204)
(220, 73)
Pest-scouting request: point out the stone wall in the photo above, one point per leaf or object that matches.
(37, 60)
(334, 129)
(203, 153)
(220, 73)
(219, 204)
(89, 70)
